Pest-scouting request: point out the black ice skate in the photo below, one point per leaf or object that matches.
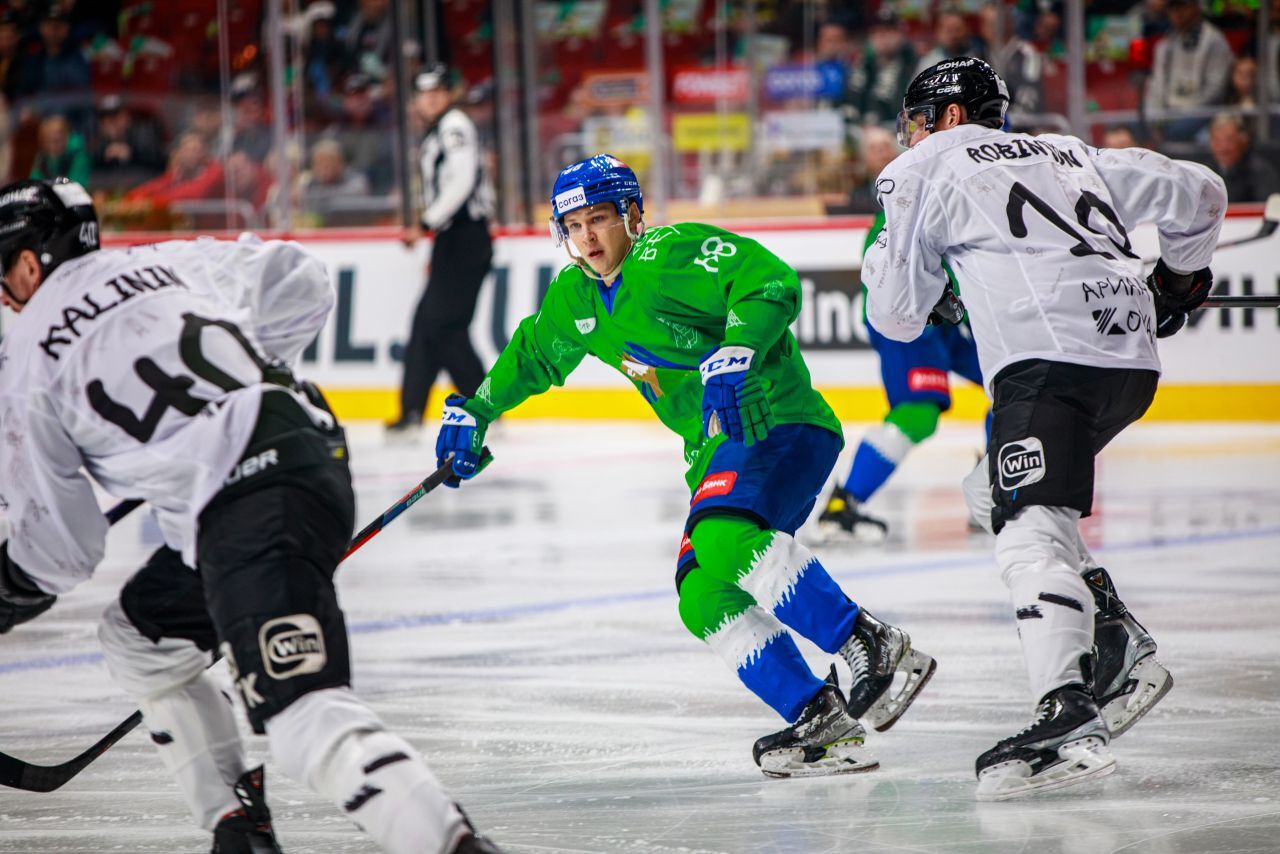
(843, 519)
(825, 739)
(1127, 679)
(1065, 744)
(407, 431)
(875, 652)
(248, 829)
(473, 842)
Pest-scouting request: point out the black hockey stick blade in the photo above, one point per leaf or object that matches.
(1255, 301)
(17, 774)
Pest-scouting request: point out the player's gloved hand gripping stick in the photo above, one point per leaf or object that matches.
(733, 398)
(17, 774)
(462, 438)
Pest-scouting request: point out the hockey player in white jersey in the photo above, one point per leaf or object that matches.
(1036, 230)
(150, 371)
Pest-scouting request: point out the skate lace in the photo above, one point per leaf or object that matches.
(1042, 713)
(859, 661)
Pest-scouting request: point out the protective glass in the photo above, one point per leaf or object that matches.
(921, 118)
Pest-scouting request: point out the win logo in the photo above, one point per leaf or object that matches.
(1021, 463)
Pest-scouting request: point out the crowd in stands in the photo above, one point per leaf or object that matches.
(127, 96)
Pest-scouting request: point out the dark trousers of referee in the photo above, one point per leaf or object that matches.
(440, 337)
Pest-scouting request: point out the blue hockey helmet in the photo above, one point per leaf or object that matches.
(603, 178)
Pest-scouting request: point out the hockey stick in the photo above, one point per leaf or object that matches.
(17, 774)
(1255, 301)
(1270, 222)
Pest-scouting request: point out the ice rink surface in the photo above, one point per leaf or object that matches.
(522, 632)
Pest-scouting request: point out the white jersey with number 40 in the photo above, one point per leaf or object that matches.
(142, 367)
(1036, 230)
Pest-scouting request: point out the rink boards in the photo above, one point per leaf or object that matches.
(1225, 366)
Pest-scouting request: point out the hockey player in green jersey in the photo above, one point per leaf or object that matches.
(697, 318)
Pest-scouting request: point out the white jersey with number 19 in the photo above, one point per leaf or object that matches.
(143, 368)
(1036, 230)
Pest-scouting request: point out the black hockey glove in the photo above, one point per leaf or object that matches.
(20, 599)
(1177, 295)
(948, 310)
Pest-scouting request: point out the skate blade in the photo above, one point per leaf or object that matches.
(868, 535)
(1080, 760)
(1153, 682)
(841, 758)
(886, 710)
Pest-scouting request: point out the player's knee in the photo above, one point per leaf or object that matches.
(143, 667)
(305, 736)
(918, 420)
(1039, 540)
(724, 544)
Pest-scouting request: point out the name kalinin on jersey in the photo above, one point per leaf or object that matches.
(104, 297)
(1018, 149)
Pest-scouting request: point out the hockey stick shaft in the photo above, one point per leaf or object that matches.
(18, 774)
(1259, 301)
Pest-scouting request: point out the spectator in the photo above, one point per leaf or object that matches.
(1024, 64)
(1249, 178)
(329, 179)
(1120, 136)
(192, 174)
(247, 182)
(56, 66)
(831, 59)
(6, 141)
(365, 131)
(125, 152)
(324, 59)
(878, 82)
(367, 39)
(1271, 61)
(10, 61)
(1191, 70)
(879, 147)
(206, 120)
(62, 152)
(1244, 83)
(249, 118)
(952, 40)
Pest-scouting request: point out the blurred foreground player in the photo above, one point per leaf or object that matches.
(1037, 229)
(696, 318)
(915, 377)
(148, 370)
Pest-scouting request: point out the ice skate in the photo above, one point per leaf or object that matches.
(825, 739)
(1065, 744)
(1127, 679)
(473, 842)
(843, 519)
(406, 431)
(248, 829)
(875, 652)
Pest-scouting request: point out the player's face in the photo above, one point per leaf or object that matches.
(20, 280)
(599, 235)
(912, 128)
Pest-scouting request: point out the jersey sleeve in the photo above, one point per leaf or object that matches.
(541, 354)
(286, 288)
(902, 268)
(57, 532)
(457, 173)
(1186, 201)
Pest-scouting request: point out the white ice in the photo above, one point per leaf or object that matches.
(522, 632)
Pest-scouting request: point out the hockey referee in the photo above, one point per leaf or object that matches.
(457, 203)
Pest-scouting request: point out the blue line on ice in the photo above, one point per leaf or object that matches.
(410, 621)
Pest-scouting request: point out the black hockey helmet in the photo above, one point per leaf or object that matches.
(967, 81)
(55, 219)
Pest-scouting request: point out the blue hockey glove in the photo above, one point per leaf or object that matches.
(20, 598)
(733, 398)
(462, 434)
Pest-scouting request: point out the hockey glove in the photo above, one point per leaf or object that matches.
(733, 398)
(1177, 295)
(462, 434)
(948, 310)
(20, 599)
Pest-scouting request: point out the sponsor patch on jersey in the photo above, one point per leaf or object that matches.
(717, 483)
(686, 546)
(292, 646)
(1021, 463)
(585, 324)
(927, 379)
(570, 199)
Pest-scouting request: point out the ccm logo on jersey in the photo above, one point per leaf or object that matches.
(292, 646)
(1021, 463)
(256, 464)
(570, 199)
(927, 379)
(719, 483)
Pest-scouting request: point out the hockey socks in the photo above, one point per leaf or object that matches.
(886, 445)
(766, 659)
